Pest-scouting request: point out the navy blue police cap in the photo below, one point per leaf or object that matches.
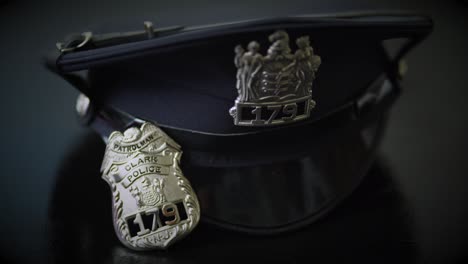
(278, 118)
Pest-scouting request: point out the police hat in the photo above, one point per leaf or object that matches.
(278, 119)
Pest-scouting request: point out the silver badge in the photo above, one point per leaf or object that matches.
(276, 88)
(153, 203)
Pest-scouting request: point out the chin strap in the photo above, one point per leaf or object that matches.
(380, 96)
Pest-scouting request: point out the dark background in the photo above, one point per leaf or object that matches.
(421, 217)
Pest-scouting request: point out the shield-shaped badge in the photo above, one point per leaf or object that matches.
(153, 203)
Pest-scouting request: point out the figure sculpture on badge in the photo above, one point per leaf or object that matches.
(280, 48)
(280, 82)
(251, 62)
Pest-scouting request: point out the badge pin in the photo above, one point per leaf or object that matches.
(276, 88)
(154, 205)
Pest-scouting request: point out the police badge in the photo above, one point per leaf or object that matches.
(276, 88)
(153, 203)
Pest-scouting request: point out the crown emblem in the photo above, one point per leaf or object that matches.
(276, 88)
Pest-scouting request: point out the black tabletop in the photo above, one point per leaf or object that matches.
(411, 207)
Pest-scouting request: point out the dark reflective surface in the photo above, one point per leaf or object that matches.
(371, 225)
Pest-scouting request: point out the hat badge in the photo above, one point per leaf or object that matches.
(277, 88)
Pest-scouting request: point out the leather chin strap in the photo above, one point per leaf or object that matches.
(205, 149)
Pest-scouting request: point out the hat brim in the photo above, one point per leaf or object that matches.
(284, 195)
